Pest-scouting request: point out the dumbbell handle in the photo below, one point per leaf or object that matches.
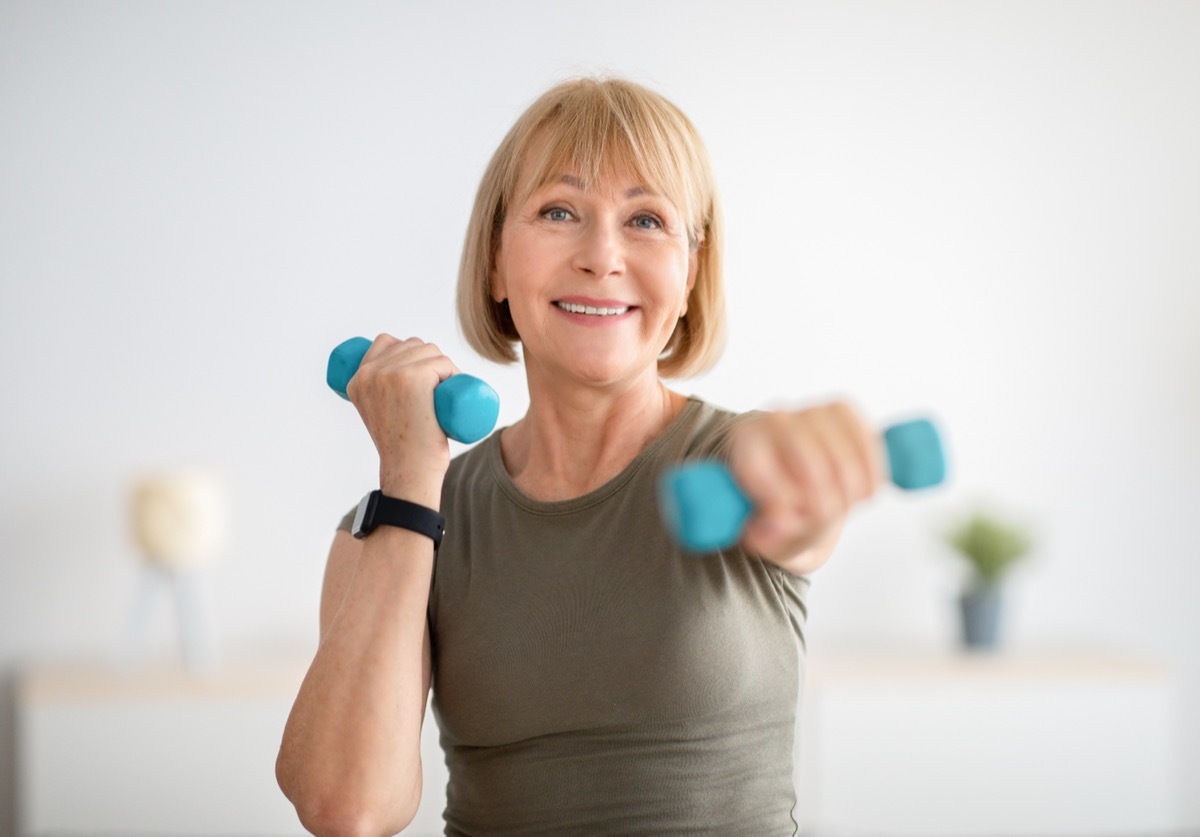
(704, 509)
(466, 407)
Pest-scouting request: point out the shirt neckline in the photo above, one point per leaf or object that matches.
(504, 480)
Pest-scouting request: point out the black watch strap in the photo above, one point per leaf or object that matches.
(377, 509)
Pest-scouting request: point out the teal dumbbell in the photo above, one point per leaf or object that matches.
(466, 407)
(704, 509)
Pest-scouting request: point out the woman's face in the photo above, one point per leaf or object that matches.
(596, 278)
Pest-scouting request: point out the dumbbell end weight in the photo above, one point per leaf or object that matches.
(466, 407)
(344, 361)
(702, 506)
(915, 454)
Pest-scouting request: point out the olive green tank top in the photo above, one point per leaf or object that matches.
(591, 678)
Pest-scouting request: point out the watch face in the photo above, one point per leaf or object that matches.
(364, 519)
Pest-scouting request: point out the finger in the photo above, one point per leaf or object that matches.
(807, 455)
(774, 493)
(404, 371)
(844, 468)
(387, 347)
(419, 369)
(852, 454)
(387, 352)
(857, 452)
(381, 344)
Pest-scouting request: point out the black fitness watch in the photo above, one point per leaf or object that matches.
(377, 509)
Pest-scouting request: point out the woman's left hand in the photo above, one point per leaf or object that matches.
(803, 470)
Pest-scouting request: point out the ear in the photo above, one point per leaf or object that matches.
(496, 284)
(693, 269)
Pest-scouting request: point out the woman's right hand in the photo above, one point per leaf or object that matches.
(393, 393)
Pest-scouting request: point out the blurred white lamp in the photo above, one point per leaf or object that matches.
(180, 524)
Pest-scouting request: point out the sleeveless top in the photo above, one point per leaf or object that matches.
(589, 677)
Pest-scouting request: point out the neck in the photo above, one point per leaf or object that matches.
(572, 442)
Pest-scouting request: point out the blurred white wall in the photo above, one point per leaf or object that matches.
(991, 210)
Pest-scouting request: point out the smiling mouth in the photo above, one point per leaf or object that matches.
(573, 308)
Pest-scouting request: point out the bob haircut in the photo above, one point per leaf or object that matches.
(592, 126)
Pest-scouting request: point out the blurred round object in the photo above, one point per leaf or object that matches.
(179, 519)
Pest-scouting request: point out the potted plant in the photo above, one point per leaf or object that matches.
(990, 545)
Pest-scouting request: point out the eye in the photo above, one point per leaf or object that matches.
(556, 213)
(647, 221)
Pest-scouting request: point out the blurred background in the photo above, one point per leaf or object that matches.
(987, 210)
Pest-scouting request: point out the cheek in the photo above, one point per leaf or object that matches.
(676, 290)
(517, 264)
(506, 277)
(508, 266)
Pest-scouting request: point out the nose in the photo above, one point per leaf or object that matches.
(600, 251)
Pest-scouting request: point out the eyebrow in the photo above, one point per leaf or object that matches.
(632, 192)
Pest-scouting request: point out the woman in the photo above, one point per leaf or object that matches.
(588, 675)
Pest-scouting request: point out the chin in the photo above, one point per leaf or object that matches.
(600, 369)
(605, 377)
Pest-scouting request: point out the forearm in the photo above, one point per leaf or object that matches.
(350, 758)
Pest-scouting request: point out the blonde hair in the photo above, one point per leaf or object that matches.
(591, 126)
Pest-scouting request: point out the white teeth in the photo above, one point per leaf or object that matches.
(590, 310)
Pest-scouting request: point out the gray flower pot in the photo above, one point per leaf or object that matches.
(981, 609)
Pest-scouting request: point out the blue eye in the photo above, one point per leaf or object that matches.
(556, 213)
(647, 222)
